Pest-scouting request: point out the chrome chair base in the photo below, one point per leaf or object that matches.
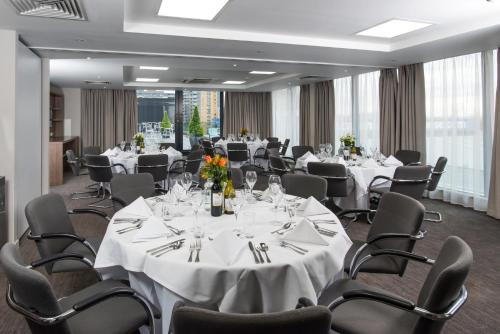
(435, 213)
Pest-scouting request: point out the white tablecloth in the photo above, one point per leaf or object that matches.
(244, 286)
(129, 160)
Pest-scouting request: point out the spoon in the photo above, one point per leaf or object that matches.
(286, 226)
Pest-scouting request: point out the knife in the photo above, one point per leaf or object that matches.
(250, 245)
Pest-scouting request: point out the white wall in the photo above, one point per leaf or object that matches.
(72, 111)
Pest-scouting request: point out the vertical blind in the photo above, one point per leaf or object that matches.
(286, 114)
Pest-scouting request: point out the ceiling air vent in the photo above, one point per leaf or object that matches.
(197, 81)
(57, 9)
(90, 82)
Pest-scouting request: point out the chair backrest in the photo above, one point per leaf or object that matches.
(92, 150)
(444, 282)
(99, 168)
(397, 213)
(237, 152)
(335, 175)
(412, 180)
(73, 162)
(48, 214)
(237, 177)
(154, 164)
(193, 161)
(30, 290)
(277, 165)
(208, 148)
(272, 139)
(127, 188)
(164, 146)
(407, 156)
(284, 148)
(298, 151)
(310, 320)
(273, 149)
(305, 186)
(215, 139)
(437, 172)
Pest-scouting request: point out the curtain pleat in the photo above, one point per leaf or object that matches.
(108, 116)
(248, 110)
(324, 113)
(494, 194)
(305, 114)
(388, 88)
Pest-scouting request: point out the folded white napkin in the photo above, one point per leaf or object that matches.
(107, 152)
(220, 142)
(392, 161)
(178, 189)
(370, 163)
(305, 232)
(228, 246)
(126, 155)
(265, 142)
(312, 207)
(153, 228)
(172, 151)
(308, 157)
(137, 209)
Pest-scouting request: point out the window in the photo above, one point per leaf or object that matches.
(208, 105)
(286, 114)
(455, 115)
(343, 108)
(156, 115)
(367, 114)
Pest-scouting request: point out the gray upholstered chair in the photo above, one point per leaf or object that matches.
(408, 180)
(408, 157)
(54, 235)
(263, 154)
(361, 309)
(336, 175)
(237, 178)
(437, 172)
(284, 147)
(396, 225)
(191, 320)
(106, 307)
(298, 151)
(154, 164)
(91, 150)
(238, 152)
(75, 163)
(127, 188)
(273, 139)
(305, 186)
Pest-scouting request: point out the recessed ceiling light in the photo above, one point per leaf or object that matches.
(192, 9)
(89, 58)
(233, 82)
(393, 28)
(263, 72)
(147, 79)
(235, 65)
(155, 68)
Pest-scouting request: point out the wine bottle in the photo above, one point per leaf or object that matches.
(217, 199)
(228, 194)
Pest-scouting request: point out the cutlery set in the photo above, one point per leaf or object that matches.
(160, 250)
(295, 248)
(257, 252)
(194, 246)
(136, 226)
(322, 230)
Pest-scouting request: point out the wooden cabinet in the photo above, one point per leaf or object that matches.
(56, 115)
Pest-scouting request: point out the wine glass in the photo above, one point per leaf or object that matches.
(276, 195)
(329, 149)
(122, 145)
(198, 200)
(237, 202)
(251, 179)
(177, 191)
(187, 181)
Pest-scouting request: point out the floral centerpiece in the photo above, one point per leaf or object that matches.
(243, 132)
(139, 139)
(348, 140)
(215, 168)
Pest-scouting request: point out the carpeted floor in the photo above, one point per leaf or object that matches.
(482, 233)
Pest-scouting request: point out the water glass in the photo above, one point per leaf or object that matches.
(251, 179)
(248, 223)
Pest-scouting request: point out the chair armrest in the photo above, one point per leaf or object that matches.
(122, 166)
(415, 163)
(90, 211)
(373, 296)
(175, 164)
(357, 211)
(119, 201)
(378, 177)
(161, 191)
(62, 236)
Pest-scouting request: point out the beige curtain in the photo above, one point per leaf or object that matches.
(305, 114)
(410, 115)
(494, 195)
(388, 88)
(108, 116)
(324, 113)
(248, 110)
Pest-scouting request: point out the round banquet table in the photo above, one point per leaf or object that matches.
(129, 160)
(242, 286)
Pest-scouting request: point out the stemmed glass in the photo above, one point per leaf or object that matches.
(178, 191)
(251, 179)
(329, 149)
(198, 200)
(187, 181)
(122, 145)
(276, 194)
(237, 203)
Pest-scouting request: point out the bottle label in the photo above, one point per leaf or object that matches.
(227, 205)
(217, 199)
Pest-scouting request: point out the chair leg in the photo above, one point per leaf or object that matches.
(103, 198)
(435, 213)
(96, 192)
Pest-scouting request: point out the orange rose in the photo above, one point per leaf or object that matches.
(222, 162)
(208, 159)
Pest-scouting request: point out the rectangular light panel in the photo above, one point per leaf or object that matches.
(233, 82)
(262, 72)
(393, 28)
(192, 9)
(155, 68)
(147, 79)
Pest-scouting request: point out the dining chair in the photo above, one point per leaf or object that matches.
(104, 307)
(280, 166)
(305, 186)
(92, 150)
(395, 225)
(408, 180)
(284, 147)
(298, 151)
(215, 139)
(437, 172)
(263, 153)
(51, 228)
(337, 177)
(75, 163)
(154, 164)
(101, 171)
(361, 309)
(238, 152)
(408, 157)
(208, 147)
(237, 178)
(127, 188)
(193, 320)
(272, 139)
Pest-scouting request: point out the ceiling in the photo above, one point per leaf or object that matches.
(295, 38)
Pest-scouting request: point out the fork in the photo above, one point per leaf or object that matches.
(198, 249)
(191, 250)
(131, 228)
